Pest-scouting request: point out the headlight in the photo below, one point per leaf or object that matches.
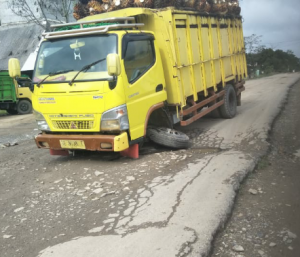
(115, 119)
(41, 121)
(42, 125)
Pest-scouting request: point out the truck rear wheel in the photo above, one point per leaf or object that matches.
(168, 137)
(228, 109)
(24, 107)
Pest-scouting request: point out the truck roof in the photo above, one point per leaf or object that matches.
(91, 27)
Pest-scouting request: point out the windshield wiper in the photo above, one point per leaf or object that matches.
(51, 74)
(85, 68)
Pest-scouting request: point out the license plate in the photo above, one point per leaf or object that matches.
(72, 144)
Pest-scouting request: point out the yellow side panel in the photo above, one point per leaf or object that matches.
(198, 52)
(182, 53)
(24, 92)
(215, 56)
(205, 43)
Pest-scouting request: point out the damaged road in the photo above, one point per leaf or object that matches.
(167, 203)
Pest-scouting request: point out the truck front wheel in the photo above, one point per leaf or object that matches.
(228, 109)
(168, 137)
(24, 107)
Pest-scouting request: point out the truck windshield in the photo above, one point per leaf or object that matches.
(72, 55)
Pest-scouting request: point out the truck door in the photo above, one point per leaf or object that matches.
(144, 77)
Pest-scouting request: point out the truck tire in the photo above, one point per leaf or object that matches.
(12, 111)
(228, 109)
(168, 137)
(24, 107)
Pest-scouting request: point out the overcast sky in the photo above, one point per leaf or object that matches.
(278, 21)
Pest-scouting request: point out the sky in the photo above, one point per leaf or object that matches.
(277, 21)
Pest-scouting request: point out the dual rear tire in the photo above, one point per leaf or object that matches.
(229, 109)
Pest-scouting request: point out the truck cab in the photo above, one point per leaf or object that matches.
(94, 90)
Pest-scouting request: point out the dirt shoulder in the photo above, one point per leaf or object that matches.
(265, 220)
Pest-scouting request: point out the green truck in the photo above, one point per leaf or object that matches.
(15, 96)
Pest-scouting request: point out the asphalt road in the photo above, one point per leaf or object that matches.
(265, 220)
(167, 203)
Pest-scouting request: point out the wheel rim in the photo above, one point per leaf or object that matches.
(171, 131)
(24, 107)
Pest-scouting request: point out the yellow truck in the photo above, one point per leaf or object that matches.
(108, 81)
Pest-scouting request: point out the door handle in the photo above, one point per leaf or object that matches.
(159, 88)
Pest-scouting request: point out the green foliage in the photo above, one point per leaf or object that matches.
(269, 61)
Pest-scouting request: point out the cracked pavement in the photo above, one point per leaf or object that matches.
(167, 203)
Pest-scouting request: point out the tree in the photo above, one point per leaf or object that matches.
(253, 43)
(253, 46)
(41, 11)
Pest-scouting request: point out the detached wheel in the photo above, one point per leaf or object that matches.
(24, 107)
(168, 137)
(228, 109)
(12, 111)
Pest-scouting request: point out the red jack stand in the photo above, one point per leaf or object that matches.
(131, 152)
(59, 152)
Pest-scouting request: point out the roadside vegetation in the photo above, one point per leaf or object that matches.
(263, 61)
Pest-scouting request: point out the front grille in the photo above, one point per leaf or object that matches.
(73, 124)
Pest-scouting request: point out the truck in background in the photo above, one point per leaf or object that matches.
(15, 95)
(110, 80)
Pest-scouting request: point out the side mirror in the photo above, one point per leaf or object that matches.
(113, 65)
(14, 68)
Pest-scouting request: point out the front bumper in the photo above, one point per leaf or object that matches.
(91, 142)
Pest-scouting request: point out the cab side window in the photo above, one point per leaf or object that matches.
(139, 58)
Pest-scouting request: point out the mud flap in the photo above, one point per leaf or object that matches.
(131, 152)
(59, 152)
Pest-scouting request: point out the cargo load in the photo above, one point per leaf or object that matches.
(87, 8)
